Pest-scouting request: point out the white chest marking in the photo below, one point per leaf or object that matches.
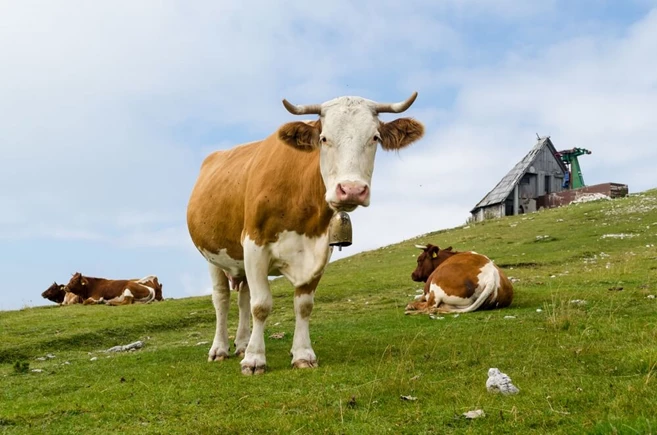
(298, 257)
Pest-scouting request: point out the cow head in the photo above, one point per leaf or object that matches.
(77, 285)
(429, 260)
(54, 293)
(347, 135)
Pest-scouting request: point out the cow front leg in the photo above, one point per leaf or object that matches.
(244, 325)
(256, 265)
(221, 302)
(303, 355)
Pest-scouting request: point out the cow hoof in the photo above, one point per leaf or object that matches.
(304, 364)
(252, 370)
(240, 352)
(217, 356)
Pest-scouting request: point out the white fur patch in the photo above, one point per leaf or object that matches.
(146, 279)
(299, 258)
(489, 284)
(349, 126)
(222, 260)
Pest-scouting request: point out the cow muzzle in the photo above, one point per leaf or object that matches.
(350, 194)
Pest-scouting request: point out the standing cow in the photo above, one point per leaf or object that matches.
(263, 209)
(458, 282)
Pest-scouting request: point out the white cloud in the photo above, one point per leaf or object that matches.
(107, 110)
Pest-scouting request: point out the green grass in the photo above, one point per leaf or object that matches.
(580, 369)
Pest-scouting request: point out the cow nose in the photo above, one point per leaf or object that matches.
(352, 192)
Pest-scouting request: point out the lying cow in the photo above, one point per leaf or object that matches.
(114, 292)
(56, 294)
(458, 282)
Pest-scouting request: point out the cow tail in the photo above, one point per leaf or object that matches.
(489, 289)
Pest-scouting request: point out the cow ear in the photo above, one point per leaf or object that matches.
(400, 133)
(448, 249)
(84, 281)
(300, 135)
(434, 251)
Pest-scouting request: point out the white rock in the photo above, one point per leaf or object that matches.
(37, 370)
(509, 317)
(499, 382)
(94, 358)
(136, 345)
(475, 413)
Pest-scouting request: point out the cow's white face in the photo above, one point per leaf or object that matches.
(347, 134)
(348, 141)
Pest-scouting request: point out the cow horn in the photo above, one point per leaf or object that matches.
(310, 109)
(420, 247)
(395, 107)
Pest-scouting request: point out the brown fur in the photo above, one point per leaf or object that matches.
(278, 200)
(457, 275)
(428, 260)
(281, 177)
(301, 135)
(92, 290)
(155, 284)
(307, 289)
(54, 293)
(399, 133)
(57, 294)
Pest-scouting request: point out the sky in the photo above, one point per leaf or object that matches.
(107, 110)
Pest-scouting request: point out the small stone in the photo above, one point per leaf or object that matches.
(499, 382)
(475, 413)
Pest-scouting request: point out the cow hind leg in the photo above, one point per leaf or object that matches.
(221, 301)
(92, 301)
(126, 298)
(244, 325)
(303, 355)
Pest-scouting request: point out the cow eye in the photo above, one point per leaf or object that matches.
(322, 139)
(377, 138)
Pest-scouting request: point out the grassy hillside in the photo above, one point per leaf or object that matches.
(586, 368)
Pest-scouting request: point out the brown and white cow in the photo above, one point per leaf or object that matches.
(458, 282)
(113, 291)
(56, 293)
(263, 209)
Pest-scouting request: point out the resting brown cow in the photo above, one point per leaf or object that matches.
(458, 282)
(114, 292)
(56, 293)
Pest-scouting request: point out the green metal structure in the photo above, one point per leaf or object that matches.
(570, 158)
